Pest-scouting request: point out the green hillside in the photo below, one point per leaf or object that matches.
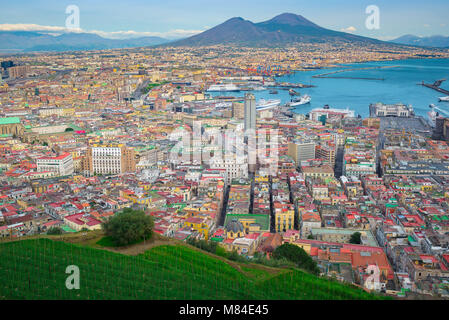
(35, 269)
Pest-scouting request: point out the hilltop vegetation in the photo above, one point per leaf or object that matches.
(128, 227)
(35, 269)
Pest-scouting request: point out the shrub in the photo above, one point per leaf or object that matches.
(298, 256)
(356, 238)
(129, 227)
(54, 231)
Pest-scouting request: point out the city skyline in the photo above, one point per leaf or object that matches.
(283, 154)
(180, 19)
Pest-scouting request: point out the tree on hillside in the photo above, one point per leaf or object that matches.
(296, 255)
(128, 227)
(356, 238)
(54, 231)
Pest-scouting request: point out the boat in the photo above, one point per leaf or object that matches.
(223, 88)
(293, 92)
(260, 88)
(445, 99)
(274, 92)
(305, 99)
(267, 104)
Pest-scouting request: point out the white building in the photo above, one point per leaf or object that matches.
(390, 110)
(316, 114)
(111, 159)
(62, 165)
(236, 167)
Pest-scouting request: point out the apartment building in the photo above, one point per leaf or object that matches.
(284, 216)
(301, 151)
(61, 165)
(110, 159)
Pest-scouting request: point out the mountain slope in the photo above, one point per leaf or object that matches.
(433, 41)
(36, 269)
(35, 41)
(283, 29)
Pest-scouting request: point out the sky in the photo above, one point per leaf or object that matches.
(181, 18)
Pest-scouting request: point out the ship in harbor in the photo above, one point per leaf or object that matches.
(305, 99)
(444, 99)
(267, 104)
(293, 92)
(223, 88)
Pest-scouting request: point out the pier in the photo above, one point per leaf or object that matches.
(287, 86)
(329, 75)
(436, 86)
(353, 78)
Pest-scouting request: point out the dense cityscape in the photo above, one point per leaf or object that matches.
(176, 132)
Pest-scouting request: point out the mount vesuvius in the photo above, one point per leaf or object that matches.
(284, 29)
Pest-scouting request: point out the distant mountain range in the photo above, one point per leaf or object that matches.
(433, 41)
(36, 41)
(284, 29)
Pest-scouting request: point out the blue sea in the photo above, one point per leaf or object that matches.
(400, 85)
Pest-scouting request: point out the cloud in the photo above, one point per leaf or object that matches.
(172, 34)
(387, 38)
(350, 29)
(34, 27)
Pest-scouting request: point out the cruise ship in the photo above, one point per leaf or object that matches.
(223, 88)
(445, 99)
(267, 104)
(305, 99)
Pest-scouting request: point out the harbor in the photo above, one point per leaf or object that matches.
(400, 86)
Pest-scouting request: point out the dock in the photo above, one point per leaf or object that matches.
(436, 86)
(352, 78)
(330, 75)
(287, 86)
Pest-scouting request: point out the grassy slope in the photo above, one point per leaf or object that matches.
(35, 269)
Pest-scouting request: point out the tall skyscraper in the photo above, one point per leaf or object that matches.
(250, 112)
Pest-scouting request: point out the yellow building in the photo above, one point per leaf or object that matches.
(284, 216)
(324, 171)
(234, 230)
(303, 245)
(203, 226)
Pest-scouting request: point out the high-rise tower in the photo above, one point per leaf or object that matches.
(250, 112)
